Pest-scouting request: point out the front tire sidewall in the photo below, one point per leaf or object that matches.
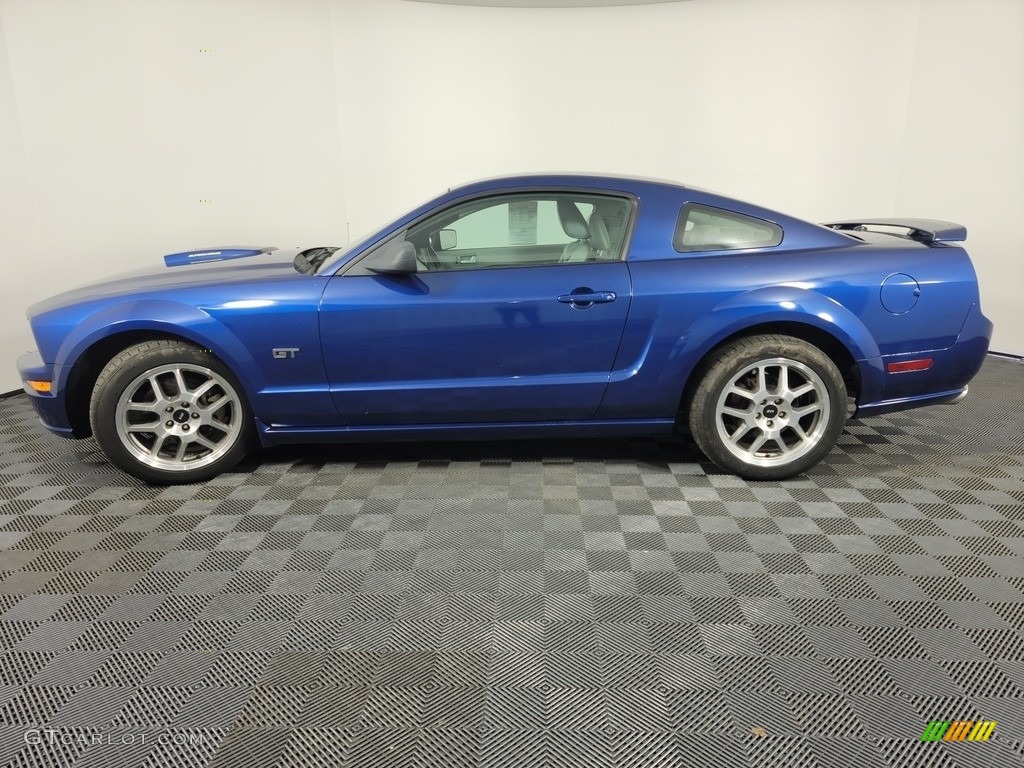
(730, 361)
(122, 371)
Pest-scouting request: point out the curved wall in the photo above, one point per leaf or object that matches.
(129, 130)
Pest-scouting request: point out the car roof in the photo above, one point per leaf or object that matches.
(587, 180)
(801, 233)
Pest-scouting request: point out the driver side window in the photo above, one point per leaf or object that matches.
(522, 230)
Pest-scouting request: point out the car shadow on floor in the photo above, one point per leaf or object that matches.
(659, 452)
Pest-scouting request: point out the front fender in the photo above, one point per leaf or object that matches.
(160, 316)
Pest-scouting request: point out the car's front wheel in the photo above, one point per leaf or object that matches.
(168, 412)
(768, 407)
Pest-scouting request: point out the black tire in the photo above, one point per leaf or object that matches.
(768, 407)
(168, 412)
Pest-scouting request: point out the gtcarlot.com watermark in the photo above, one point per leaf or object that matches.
(50, 736)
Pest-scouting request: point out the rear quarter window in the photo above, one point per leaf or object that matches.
(703, 228)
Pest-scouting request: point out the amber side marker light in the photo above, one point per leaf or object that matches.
(40, 386)
(909, 366)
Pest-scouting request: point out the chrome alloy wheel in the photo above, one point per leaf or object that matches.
(179, 417)
(772, 412)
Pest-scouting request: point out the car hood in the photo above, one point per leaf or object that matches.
(264, 264)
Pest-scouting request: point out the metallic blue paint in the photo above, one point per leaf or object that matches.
(488, 345)
(495, 353)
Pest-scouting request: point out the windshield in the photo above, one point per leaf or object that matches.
(342, 253)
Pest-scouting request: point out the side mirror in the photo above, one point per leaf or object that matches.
(395, 258)
(444, 240)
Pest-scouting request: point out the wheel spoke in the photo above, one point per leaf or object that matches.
(730, 411)
(205, 442)
(783, 383)
(758, 442)
(149, 409)
(801, 390)
(201, 390)
(746, 394)
(740, 433)
(158, 390)
(158, 445)
(799, 413)
(762, 379)
(179, 379)
(224, 429)
(216, 408)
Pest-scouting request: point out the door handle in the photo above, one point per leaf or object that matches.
(585, 298)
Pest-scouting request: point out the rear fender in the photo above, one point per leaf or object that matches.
(777, 304)
(773, 308)
(664, 370)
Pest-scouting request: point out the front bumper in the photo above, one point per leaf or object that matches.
(50, 406)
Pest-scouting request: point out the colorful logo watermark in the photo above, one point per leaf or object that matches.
(958, 730)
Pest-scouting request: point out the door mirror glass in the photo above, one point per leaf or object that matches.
(444, 240)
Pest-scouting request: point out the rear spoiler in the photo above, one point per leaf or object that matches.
(925, 230)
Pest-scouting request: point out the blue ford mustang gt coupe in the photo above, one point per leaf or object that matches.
(526, 306)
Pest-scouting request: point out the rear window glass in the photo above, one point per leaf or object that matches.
(703, 228)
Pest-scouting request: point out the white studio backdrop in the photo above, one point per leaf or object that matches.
(133, 128)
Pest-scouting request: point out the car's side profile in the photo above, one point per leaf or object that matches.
(520, 307)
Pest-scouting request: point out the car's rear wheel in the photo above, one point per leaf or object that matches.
(768, 407)
(168, 412)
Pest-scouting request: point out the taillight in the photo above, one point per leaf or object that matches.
(909, 366)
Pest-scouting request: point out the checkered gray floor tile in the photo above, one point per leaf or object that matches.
(581, 603)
